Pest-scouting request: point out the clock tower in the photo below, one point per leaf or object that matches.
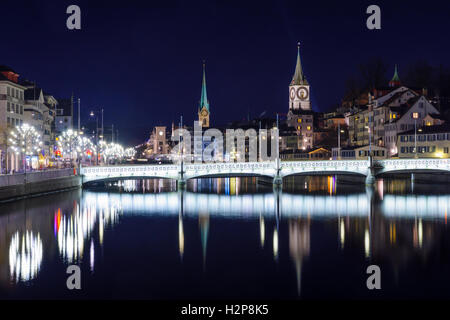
(299, 94)
(203, 107)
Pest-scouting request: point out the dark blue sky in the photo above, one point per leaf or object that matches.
(141, 60)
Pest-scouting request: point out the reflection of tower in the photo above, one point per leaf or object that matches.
(181, 236)
(203, 220)
(203, 107)
(277, 203)
(299, 245)
(262, 229)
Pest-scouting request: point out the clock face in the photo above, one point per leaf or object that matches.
(302, 93)
(292, 93)
(204, 113)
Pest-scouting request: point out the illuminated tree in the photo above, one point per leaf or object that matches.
(68, 144)
(114, 152)
(84, 146)
(25, 141)
(130, 152)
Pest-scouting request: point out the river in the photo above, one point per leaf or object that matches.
(229, 238)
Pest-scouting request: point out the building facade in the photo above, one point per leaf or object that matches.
(432, 142)
(11, 115)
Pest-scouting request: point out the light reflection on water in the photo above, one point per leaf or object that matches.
(385, 225)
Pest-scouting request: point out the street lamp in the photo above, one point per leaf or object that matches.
(339, 140)
(95, 114)
(370, 141)
(415, 116)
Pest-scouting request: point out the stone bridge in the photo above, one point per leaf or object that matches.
(273, 169)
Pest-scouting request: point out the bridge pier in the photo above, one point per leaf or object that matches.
(370, 178)
(181, 184)
(278, 182)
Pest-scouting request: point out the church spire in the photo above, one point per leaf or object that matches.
(298, 78)
(395, 82)
(204, 98)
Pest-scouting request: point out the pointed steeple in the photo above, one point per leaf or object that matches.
(204, 97)
(395, 82)
(395, 78)
(298, 78)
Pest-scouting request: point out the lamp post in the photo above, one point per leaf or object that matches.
(339, 141)
(415, 116)
(370, 142)
(93, 114)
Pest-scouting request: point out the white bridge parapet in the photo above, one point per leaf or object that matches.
(330, 166)
(268, 169)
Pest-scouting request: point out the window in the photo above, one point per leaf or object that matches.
(8, 106)
(299, 120)
(308, 128)
(446, 150)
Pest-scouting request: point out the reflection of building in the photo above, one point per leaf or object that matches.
(180, 236)
(203, 220)
(299, 245)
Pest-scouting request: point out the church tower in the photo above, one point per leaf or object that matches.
(395, 81)
(299, 95)
(203, 107)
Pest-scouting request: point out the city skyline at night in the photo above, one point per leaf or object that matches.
(145, 59)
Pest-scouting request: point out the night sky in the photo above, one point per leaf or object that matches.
(142, 60)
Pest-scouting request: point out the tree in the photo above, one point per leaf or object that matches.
(373, 73)
(420, 74)
(68, 143)
(26, 141)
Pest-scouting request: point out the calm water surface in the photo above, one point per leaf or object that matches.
(229, 238)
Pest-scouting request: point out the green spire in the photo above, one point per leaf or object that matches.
(204, 98)
(298, 77)
(395, 77)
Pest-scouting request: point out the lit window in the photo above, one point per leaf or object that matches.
(308, 128)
